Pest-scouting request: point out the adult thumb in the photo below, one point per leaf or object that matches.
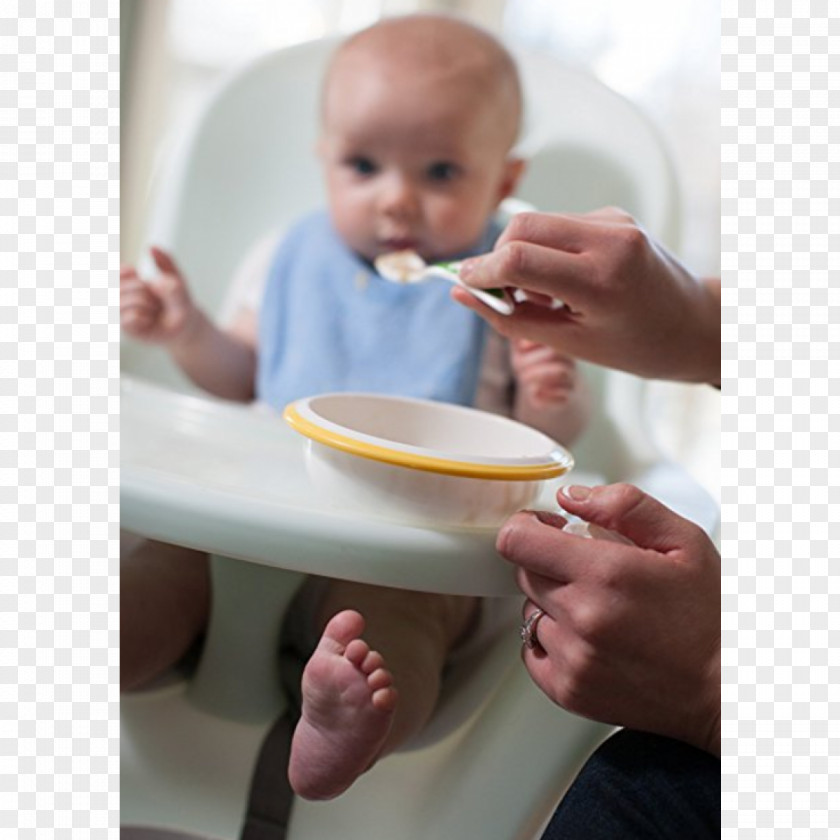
(628, 511)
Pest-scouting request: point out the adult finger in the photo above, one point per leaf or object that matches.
(534, 540)
(541, 591)
(533, 616)
(568, 232)
(529, 607)
(631, 512)
(535, 268)
(556, 327)
(564, 674)
(553, 630)
(548, 662)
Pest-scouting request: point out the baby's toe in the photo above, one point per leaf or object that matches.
(372, 661)
(342, 629)
(379, 679)
(384, 699)
(356, 652)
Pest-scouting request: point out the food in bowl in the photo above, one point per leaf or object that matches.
(423, 461)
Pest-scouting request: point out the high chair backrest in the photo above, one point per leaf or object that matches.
(588, 147)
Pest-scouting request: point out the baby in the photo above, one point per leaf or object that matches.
(419, 117)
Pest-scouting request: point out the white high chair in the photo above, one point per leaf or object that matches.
(231, 481)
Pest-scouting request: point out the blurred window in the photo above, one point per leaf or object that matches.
(664, 56)
(220, 34)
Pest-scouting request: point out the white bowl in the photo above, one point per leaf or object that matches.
(423, 461)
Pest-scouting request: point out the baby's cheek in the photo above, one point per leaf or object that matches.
(457, 229)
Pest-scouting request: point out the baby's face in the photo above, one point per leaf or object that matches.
(411, 163)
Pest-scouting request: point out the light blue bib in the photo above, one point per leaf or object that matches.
(328, 322)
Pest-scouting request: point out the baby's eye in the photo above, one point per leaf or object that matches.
(442, 171)
(361, 165)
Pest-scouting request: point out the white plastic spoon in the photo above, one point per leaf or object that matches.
(410, 267)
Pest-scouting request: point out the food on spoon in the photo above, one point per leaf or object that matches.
(399, 266)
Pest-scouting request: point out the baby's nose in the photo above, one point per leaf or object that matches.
(399, 197)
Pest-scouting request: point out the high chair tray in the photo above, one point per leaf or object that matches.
(231, 480)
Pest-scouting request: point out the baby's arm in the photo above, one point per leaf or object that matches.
(550, 393)
(161, 311)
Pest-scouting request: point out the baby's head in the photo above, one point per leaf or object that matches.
(419, 116)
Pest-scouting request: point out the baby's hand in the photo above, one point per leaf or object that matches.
(545, 376)
(160, 311)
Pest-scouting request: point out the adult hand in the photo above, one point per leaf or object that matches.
(631, 631)
(628, 303)
(160, 311)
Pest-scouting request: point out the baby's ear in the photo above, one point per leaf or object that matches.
(511, 176)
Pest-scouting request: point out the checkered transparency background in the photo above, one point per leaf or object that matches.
(59, 376)
(59, 193)
(781, 605)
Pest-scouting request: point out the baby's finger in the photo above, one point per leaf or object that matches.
(546, 375)
(539, 353)
(137, 315)
(139, 295)
(130, 281)
(170, 283)
(552, 392)
(137, 321)
(535, 350)
(541, 399)
(164, 261)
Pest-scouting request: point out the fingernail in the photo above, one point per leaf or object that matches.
(576, 492)
(548, 517)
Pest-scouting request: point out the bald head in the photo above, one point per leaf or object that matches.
(424, 53)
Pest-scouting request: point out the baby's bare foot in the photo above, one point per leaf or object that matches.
(348, 707)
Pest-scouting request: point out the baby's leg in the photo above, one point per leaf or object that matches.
(164, 608)
(362, 699)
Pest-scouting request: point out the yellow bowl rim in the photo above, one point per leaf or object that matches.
(558, 460)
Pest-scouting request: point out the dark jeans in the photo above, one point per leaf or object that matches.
(637, 785)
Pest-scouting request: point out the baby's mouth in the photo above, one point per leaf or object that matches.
(401, 243)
